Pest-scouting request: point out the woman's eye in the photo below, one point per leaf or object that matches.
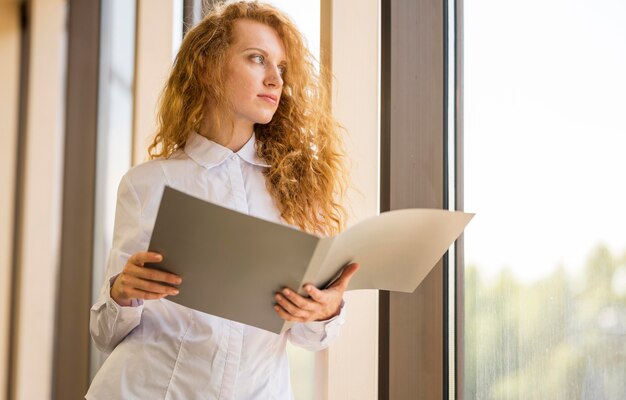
(260, 59)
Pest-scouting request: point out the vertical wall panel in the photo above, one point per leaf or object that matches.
(352, 358)
(152, 66)
(72, 341)
(10, 37)
(39, 225)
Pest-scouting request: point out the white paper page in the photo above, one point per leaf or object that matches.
(396, 250)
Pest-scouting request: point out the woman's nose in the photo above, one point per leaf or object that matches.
(273, 77)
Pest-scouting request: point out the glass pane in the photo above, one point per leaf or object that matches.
(545, 137)
(115, 109)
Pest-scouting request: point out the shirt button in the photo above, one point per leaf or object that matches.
(233, 157)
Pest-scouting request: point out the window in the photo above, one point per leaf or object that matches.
(115, 119)
(545, 274)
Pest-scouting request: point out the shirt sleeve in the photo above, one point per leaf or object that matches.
(109, 322)
(317, 335)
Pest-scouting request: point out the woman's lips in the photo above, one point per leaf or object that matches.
(269, 99)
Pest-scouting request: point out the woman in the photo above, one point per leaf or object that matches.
(244, 122)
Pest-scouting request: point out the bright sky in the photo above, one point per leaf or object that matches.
(545, 132)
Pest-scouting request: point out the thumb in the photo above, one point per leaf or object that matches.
(346, 275)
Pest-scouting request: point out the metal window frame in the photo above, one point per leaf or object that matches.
(413, 328)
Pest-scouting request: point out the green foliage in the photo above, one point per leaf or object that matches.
(563, 337)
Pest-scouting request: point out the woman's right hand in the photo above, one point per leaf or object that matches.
(137, 282)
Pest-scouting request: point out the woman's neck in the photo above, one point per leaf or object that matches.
(234, 138)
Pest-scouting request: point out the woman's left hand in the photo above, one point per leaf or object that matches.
(320, 306)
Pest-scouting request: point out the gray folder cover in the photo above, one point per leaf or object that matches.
(232, 264)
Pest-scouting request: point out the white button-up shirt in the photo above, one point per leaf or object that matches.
(162, 350)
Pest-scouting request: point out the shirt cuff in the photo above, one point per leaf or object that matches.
(136, 305)
(330, 326)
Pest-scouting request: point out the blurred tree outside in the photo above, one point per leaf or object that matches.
(563, 337)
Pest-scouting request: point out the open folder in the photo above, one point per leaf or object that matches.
(232, 264)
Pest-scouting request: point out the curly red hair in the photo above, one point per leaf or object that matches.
(307, 176)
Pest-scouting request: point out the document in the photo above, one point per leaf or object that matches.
(232, 264)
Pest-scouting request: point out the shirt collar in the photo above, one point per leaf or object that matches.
(248, 153)
(210, 154)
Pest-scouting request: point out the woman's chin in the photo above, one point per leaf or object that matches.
(265, 120)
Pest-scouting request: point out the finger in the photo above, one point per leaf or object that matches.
(290, 307)
(141, 294)
(153, 274)
(346, 275)
(316, 294)
(298, 300)
(286, 316)
(145, 256)
(147, 285)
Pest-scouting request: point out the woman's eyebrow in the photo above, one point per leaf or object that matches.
(262, 51)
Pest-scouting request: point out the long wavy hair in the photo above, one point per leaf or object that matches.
(307, 177)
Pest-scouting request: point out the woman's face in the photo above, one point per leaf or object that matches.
(254, 81)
